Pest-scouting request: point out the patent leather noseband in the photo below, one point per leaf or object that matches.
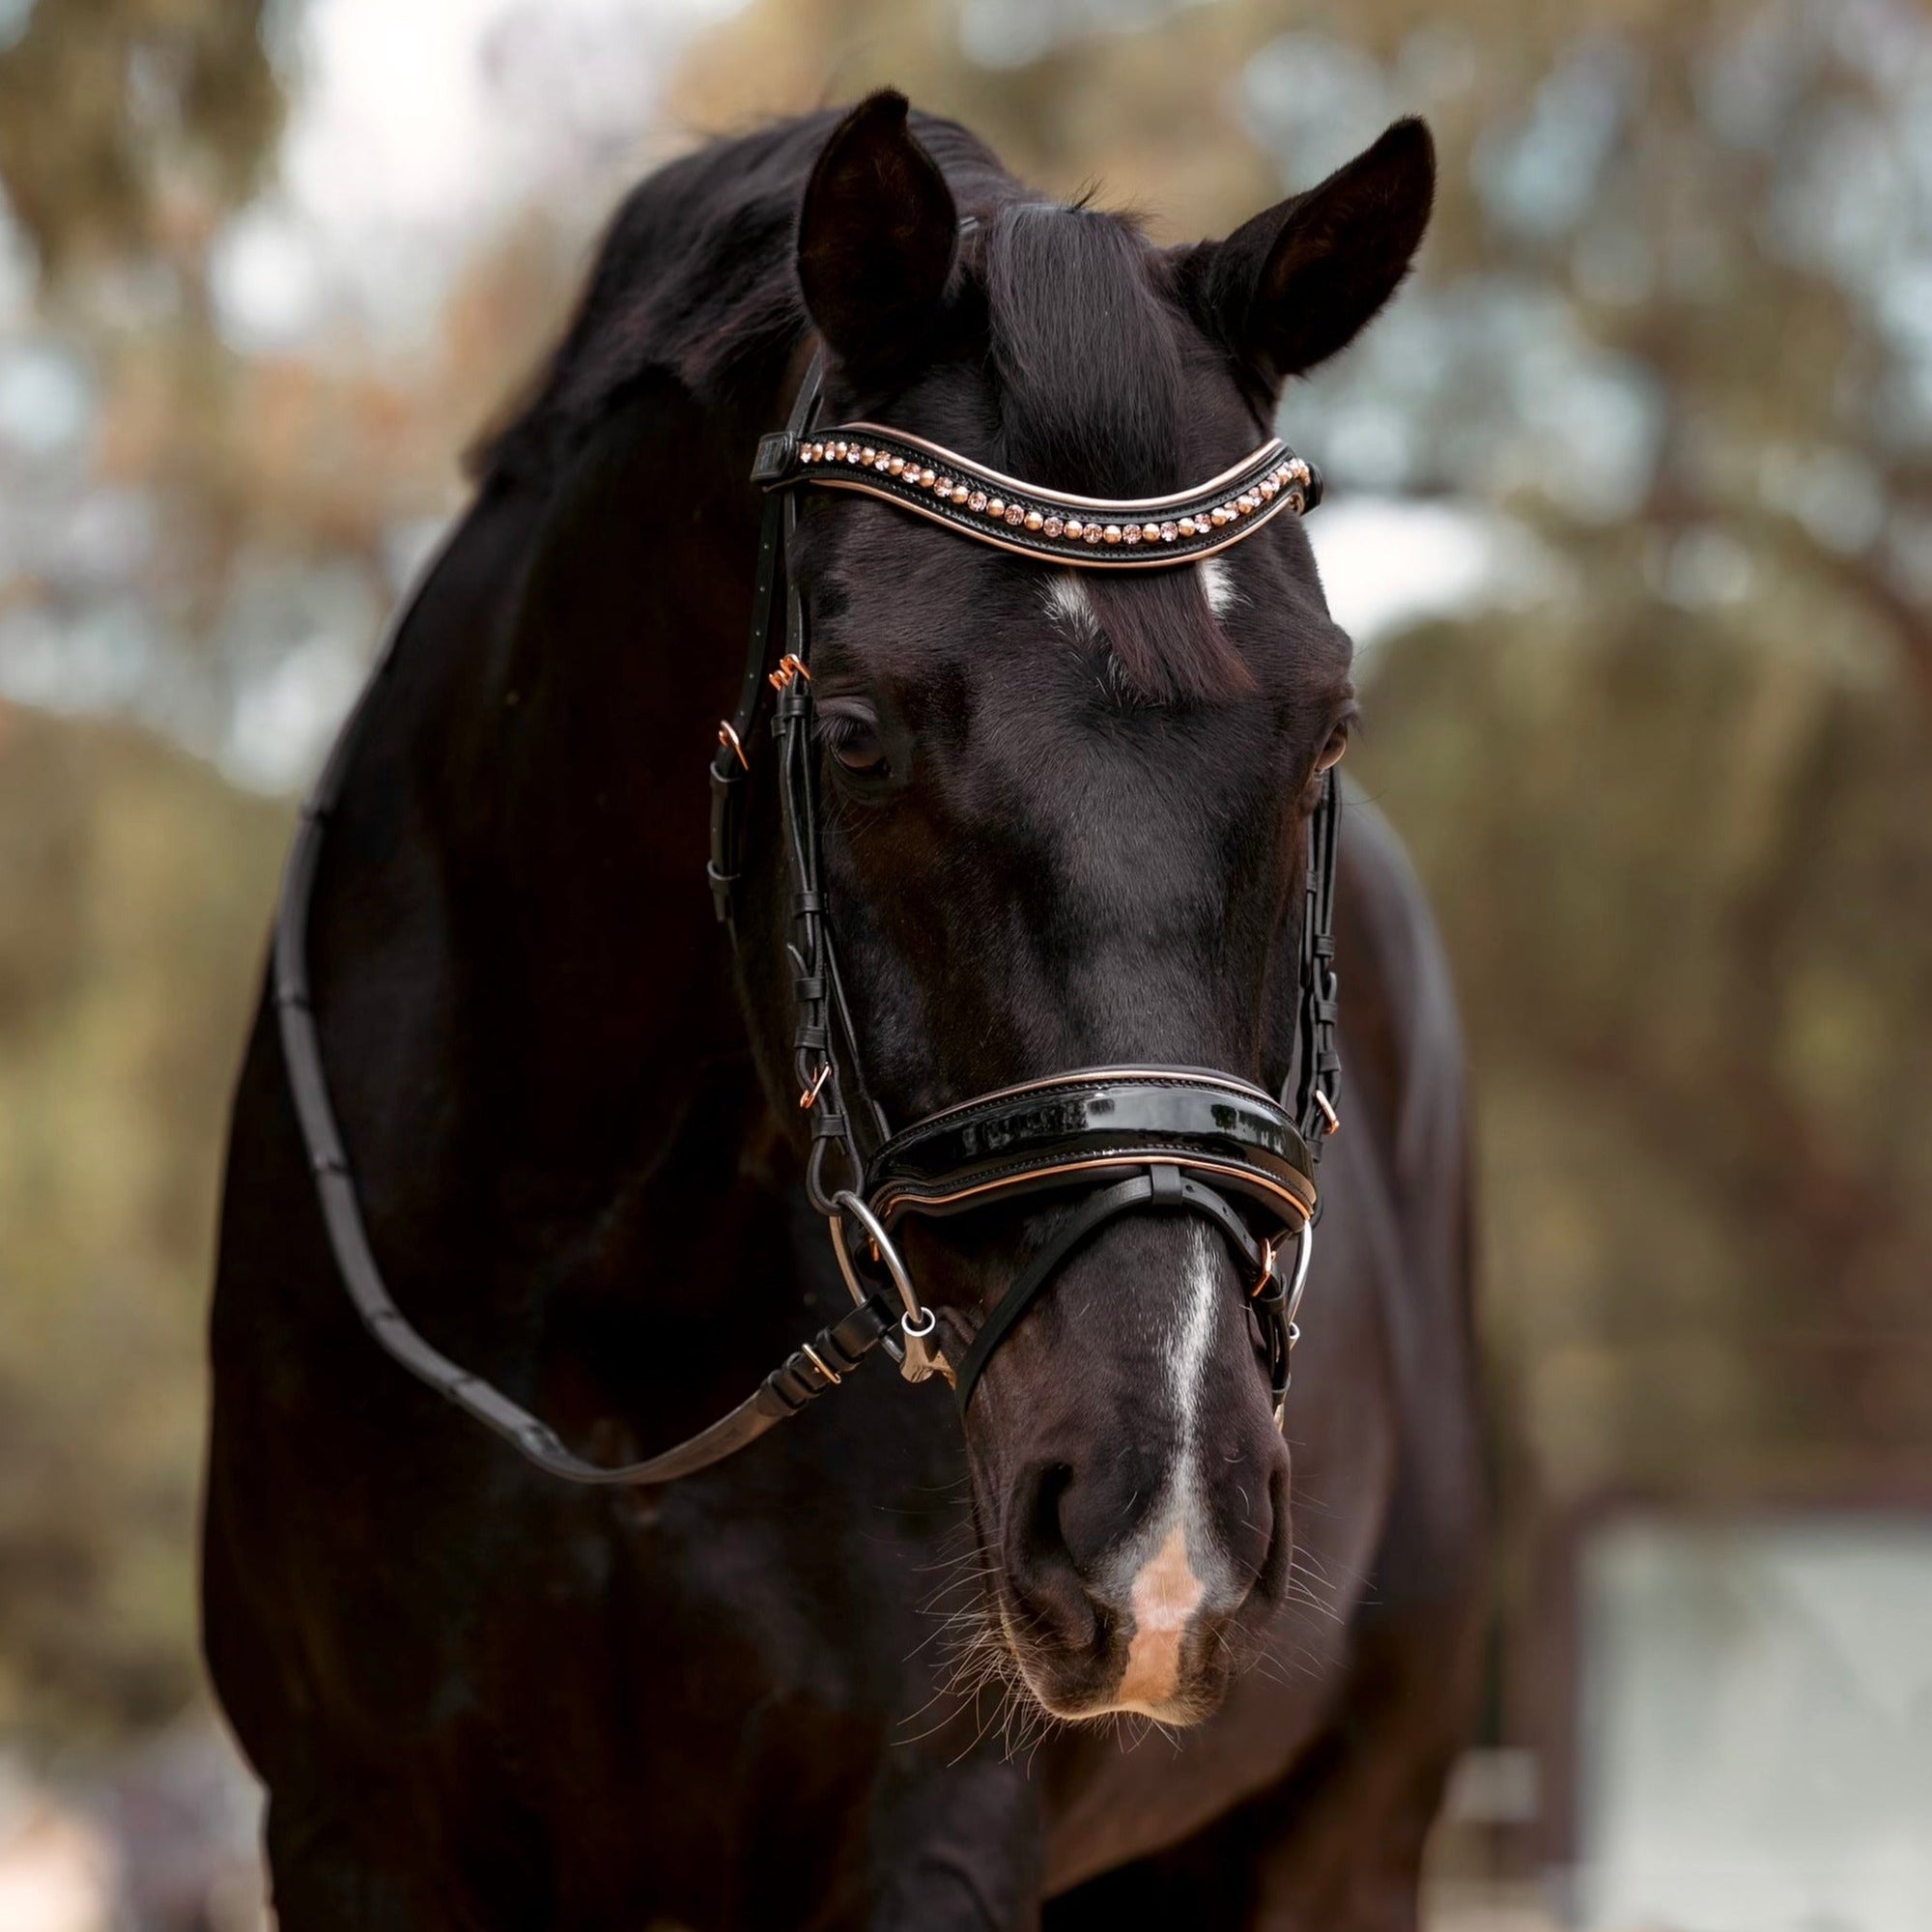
(1126, 1138)
(1105, 1141)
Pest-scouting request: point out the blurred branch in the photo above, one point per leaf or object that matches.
(127, 125)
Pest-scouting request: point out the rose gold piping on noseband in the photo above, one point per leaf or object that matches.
(886, 1206)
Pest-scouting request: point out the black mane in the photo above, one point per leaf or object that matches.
(696, 276)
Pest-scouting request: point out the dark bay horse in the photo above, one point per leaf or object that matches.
(874, 1670)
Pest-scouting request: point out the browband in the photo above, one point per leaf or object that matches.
(1083, 532)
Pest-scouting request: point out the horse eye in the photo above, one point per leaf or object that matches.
(857, 748)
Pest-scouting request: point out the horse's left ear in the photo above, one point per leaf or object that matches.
(876, 237)
(1303, 279)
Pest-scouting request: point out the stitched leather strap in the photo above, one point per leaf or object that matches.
(1319, 1071)
(730, 760)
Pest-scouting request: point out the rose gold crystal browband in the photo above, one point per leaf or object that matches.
(1083, 532)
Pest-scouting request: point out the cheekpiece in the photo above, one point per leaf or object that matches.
(1082, 532)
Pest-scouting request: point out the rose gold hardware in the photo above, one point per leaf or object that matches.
(729, 737)
(791, 666)
(809, 1097)
(1267, 1270)
(1328, 1112)
(819, 1362)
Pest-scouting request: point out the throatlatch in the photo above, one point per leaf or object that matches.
(1124, 1139)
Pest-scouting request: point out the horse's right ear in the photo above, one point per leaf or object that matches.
(876, 237)
(1305, 277)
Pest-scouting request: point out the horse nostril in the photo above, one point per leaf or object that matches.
(1277, 1549)
(1044, 1530)
(1042, 1566)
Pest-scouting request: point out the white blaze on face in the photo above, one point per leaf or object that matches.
(1167, 1590)
(1157, 1581)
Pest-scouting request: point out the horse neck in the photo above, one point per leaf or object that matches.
(605, 982)
(524, 1002)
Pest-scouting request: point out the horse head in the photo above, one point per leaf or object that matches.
(1063, 818)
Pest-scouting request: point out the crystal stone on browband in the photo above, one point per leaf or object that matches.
(1082, 531)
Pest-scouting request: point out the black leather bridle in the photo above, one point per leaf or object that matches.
(1116, 1139)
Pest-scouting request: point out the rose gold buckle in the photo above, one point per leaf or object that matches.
(1267, 1268)
(1327, 1107)
(809, 1097)
(790, 666)
(729, 739)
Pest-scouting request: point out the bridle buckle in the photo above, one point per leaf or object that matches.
(914, 1351)
(1266, 1275)
(777, 453)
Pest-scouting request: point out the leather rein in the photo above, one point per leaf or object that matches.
(1125, 1138)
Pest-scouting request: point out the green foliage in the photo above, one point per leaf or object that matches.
(1684, 880)
(134, 890)
(127, 125)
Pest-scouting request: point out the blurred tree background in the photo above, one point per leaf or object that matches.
(1631, 492)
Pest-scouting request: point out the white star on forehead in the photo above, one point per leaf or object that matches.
(1068, 606)
(1219, 584)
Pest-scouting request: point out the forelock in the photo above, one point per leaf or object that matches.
(1087, 351)
(1086, 348)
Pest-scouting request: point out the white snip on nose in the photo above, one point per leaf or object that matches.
(1166, 1592)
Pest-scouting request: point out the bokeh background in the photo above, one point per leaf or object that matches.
(1631, 512)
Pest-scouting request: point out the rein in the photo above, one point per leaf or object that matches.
(1131, 1138)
